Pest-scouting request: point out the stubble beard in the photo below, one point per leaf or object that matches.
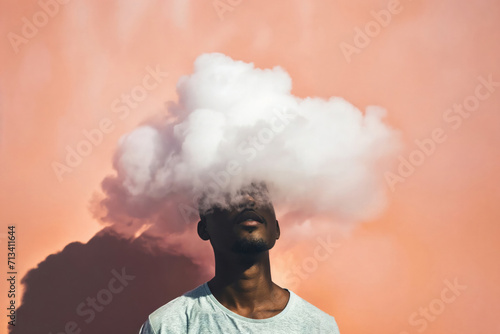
(250, 246)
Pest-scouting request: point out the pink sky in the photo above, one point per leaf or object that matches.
(441, 223)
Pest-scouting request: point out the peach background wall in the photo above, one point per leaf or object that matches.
(442, 221)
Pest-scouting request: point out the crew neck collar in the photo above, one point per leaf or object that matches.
(232, 314)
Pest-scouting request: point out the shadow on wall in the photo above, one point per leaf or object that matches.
(108, 285)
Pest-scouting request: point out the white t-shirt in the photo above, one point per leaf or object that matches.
(198, 311)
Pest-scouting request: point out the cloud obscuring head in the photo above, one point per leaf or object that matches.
(234, 124)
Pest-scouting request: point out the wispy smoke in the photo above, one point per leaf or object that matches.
(234, 124)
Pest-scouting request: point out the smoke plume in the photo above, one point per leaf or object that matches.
(234, 124)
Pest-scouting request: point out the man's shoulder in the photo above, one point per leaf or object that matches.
(177, 309)
(313, 314)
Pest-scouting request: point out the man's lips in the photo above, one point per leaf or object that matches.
(249, 217)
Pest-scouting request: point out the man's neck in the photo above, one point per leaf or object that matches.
(243, 285)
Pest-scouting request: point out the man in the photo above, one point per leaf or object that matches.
(241, 297)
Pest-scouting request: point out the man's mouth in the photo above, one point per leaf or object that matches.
(249, 217)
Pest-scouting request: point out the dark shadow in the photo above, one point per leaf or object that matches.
(150, 277)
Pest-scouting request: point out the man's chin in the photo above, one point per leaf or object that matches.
(250, 246)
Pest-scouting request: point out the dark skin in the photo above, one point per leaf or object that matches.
(241, 237)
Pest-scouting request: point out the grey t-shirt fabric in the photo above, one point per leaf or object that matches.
(198, 311)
